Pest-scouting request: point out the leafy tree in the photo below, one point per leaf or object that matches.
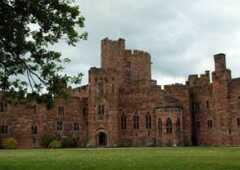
(28, 28)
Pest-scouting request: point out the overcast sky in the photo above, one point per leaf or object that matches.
(181, 35)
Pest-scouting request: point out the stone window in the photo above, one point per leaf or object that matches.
(207, 104)
(1, 107)
(169, 126)
(60, 112)
(34, 140)
(84, 111)
(159, 126)
(76, 126)
(238, 122)
(178, 124)
(113, 89)
(198, 125)
(100, 89)
(34, 130)
(100, 111)
(148, 122)
(123, 121)
(210, 124)
(136, 121)
(4, 129)
(196, 107)
(59, 125)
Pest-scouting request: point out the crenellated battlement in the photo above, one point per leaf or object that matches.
(133, 63)
(198, 80)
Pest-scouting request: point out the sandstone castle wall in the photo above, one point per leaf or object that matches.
(122, 106)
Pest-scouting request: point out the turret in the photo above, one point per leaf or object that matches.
(111, 51)
(220, 62)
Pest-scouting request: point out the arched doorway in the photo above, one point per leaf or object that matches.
(102, 139)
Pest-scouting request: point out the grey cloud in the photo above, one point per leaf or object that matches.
(181, 35)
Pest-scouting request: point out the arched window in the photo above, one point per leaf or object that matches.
(100, 111)
(123, 121)
(100, 89)
(148, 122)
(169, 126)
(178, 124)
(160, 126)
(34, 130)
(210, 124)
(238, 122)
(136, 121)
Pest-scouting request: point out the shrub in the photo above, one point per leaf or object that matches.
(69, 142)
(9, 143)
(55, 144)
(46, 140)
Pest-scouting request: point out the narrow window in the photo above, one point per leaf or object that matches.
(4, 129)
(123, 121)
(198, 125)
(136, 121)
(238, 122)
(1, 107)
(169, 126)
(76, 127)
(210, 124)
(60, 112)
(196, 107)
(34, 130)
(100, 111)
(159, 126)
(148, 122)
(59, 125)
(207, 104)
(178, 125)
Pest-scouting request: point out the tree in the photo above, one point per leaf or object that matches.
(27, 29)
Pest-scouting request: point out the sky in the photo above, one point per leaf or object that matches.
(181, 35)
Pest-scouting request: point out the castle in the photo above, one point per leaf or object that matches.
(123, 106)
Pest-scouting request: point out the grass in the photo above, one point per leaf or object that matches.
(202, 158)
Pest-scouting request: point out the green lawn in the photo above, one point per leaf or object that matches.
(122, 159)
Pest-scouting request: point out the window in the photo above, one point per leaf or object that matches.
(84, 111)
(198, 125)
(113, 89)
(4, 129)
(61, 112)
(207, 104)
(148, 121)
(178, 124)
(238, 122)
(123, 121)
(100, 89)
(59, 125)
(160, 126)
(34, 130)
(100, 111)
(169, 126)
(136, 121)
(1, 107)
(76, 126)
(210, 124)
(196, 107)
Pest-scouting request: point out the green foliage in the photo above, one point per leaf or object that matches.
(55, 144)
(46, 140)
(69, 142)
(28, 29)
(9, 143)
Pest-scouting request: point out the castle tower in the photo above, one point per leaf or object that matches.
(220, 88)
(111, 52)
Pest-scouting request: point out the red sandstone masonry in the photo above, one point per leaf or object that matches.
(123, 86)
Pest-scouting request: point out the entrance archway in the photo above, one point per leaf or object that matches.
(102, 139)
